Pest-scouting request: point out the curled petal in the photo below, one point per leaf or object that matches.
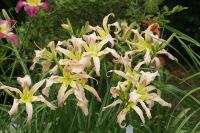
(14, 109)
(29, 111)
(109, 50)
(93, 91)
(97, 65)
(120, 73)
(112, 104)
(157, 98)
(148, 77)
(137, 67)
(139, 112)
(107, 39)
(25, 81)
(90, 38)
(105, 22)
(49, 83)
(38, 56)
(61, 93)
(150, 103)
(54, 70)
(122, 116)
(20, 4)
(147, 110)
(157, 62)
(67, 94)
(117, 27)
(115, 91)
(77, 43)
(82, 101)
(30, 10)
(66, 52)
(163, 51)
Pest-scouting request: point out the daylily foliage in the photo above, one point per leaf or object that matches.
(73, 62)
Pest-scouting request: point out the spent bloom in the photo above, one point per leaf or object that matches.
(31, 7)
(27, 96)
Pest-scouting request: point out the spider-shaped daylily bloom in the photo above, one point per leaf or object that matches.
(72, 83)
(104, 33)
(31, 6)
(47, 57)
(94, 50)
(27, 96)
(151, 44)
(74, 58)
(6, 30)
(130, 94)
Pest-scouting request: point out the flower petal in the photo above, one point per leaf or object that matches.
(38, 56)
(117, 27)
(25, 82)
(82, 101)
(112, 104)
(42, 99)
(122, 116)
(139, 112)
(49, 83)
(109, 50)
(134, 96)
(20, 4)
(93, 91)
(147, 57)
(30, 10)
(67, 94)
(13, 38)
(61, 93)
(11, 89)
(29, 111)
(14, 109)
(97, 65)
(147, 110)
(148, 77)
(37, 86)
(163, 51)
(160, 100)
(105, 22)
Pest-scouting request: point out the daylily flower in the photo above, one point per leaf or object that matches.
(27, 96)
(6, 30)
(74, 58)
(47, 57)
(136, 89)
(71, 83)
(31, 7)
(150, 44)
(104, 33)
(93, 49)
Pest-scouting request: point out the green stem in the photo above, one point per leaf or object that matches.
(23, 65)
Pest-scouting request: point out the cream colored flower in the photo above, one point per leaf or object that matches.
(27, 96)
